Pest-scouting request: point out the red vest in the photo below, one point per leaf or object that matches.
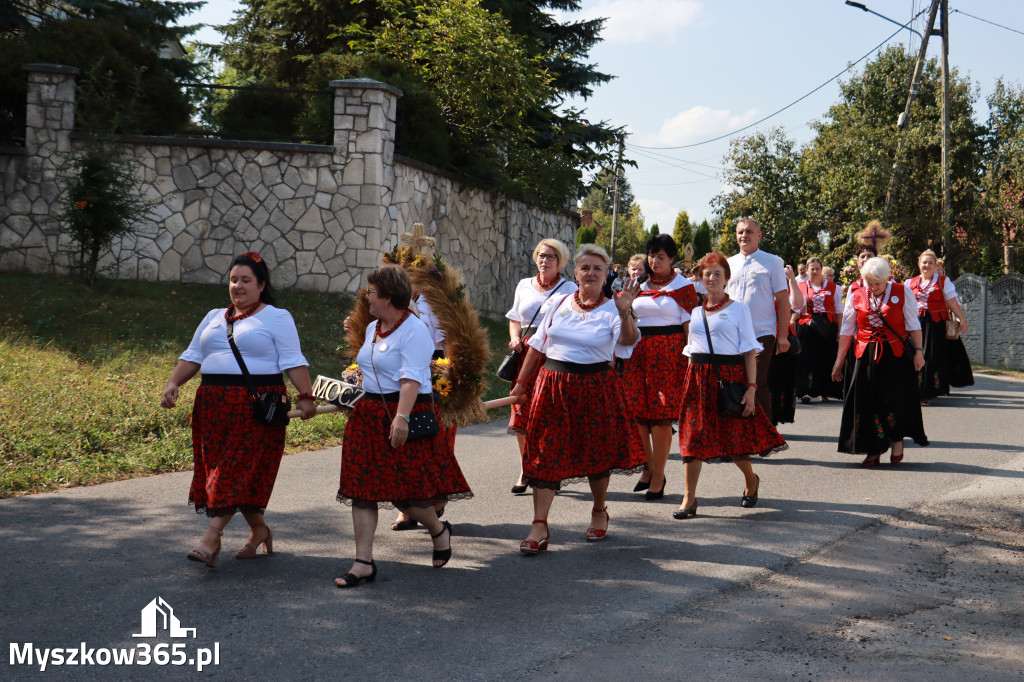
(830, 301)
(936, 301)
(892, 311)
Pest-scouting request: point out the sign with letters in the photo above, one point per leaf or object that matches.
(337, 392)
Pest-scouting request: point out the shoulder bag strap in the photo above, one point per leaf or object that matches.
(241, 362)
(711, 348)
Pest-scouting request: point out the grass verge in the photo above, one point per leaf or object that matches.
(82, 369)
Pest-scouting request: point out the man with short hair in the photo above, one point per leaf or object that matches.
(801, 273)
(758, 279)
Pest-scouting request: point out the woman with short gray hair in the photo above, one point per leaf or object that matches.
(882, 404)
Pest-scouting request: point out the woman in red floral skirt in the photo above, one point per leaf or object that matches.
(237, 457)
(378, 462)
(651, 377)
(533, 297)
(578, 423)
(705, 432)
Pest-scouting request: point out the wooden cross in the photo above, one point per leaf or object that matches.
(416, 239)
(688, 255)
(874, 237)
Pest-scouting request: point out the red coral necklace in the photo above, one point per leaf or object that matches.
(586, 307)
(403, 318)
(660, 282)
(712, 307)
(241, 316)
(546, 285)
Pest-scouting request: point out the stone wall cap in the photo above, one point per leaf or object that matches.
(52, 68)
(207, 142)
(366, 84)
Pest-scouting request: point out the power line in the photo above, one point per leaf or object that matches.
(668, 163)
(672, 158)
(791, 104)
(960, 11)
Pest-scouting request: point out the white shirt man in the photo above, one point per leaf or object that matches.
(758, 279)
(801, 273)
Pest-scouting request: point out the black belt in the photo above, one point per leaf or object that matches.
(393, 397)
(576, 367)
(661, 330)
(709, 359)
(239, 380)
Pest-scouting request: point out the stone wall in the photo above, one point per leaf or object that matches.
(995, 317)
(319, 214)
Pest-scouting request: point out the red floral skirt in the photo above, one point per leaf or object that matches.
(517, 422)
(706, 433)
(578, 427)
(653, 378)
(419, 473)
(235, 457)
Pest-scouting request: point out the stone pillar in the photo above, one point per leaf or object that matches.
(49, 120)
(365, 112)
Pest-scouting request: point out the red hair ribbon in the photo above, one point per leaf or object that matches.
(252, 255)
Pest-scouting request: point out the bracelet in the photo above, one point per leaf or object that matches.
(403, 416)
(520, 381)
(751, 385)
(920, 349)
(304, 396)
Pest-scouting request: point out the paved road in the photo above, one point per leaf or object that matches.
(838, 573)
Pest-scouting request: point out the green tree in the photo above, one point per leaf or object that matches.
(104, 38)
(702, 240)
(848, 165)
(654, 230)
(682, 232)
(630, 235)
(763, 173)
(1002, 183)
(586, 235)
(481, 94)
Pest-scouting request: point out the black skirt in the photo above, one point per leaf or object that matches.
(781, 378)
(882, 403)
(814, 364)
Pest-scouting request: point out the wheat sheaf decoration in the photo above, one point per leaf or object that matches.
(466, 344)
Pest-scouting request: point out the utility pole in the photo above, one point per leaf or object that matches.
(904, 119)
(615, 198)
(947, 192)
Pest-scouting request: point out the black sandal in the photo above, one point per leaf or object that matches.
(351, 579)
(408, 524)
(444, 555)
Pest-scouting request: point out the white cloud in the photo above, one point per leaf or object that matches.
(660, 212)
(634, 21)
(699, 123)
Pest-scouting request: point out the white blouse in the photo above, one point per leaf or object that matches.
(732, 331)
(910, 321)
(268, 342)
(423, 309)
(528, 300)
(403, 354)
(584, 338)
(663, 310)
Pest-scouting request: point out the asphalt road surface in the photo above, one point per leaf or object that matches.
(839, 572)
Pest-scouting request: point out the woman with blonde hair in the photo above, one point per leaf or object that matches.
(945, 360)
(578, 425)
(533, 298)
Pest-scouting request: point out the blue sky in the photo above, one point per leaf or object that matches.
(689, 70)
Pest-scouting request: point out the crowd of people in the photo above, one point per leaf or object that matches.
(608, 366)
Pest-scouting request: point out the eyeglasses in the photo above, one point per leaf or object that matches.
(547, 256)
(371, 291)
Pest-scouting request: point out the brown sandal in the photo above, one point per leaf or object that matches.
(249, 550)
(203, 556)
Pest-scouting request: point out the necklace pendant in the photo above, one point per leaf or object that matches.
(583, 316)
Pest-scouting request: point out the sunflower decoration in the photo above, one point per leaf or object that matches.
(459, 377)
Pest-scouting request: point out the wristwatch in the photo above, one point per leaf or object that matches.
(403, 416)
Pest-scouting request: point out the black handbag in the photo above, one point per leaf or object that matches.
(730, 393)
(508, 370)
(269, 408)
(823, 327)
(422, 424)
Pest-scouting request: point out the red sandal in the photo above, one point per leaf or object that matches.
(595, 534)
(533, 546)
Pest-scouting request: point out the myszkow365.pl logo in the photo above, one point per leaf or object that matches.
(157, 618)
